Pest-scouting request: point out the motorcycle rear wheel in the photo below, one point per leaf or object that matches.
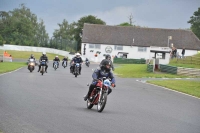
(101, 105)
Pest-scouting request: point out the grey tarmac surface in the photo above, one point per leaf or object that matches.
(53, 103)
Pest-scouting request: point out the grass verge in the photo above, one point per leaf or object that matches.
(140, 71)
(185, 86)
(26, 54)
(10, 66)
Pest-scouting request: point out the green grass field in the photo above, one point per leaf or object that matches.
(185, 86)
(188, 62)
(139, 71)
(10, 66)
(26, 54)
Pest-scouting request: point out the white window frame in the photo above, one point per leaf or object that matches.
(118, 47)
(142, 49)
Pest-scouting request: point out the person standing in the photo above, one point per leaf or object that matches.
(183, 52)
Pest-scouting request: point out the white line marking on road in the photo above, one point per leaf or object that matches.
(171, 90)
(11, 71)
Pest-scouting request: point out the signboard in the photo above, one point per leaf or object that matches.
(108, 49)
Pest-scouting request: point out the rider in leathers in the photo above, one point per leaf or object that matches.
(75, 60)
(104, 71)
(43, 57)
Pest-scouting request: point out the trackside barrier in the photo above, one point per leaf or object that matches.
(168, 69)
(129, 61)
(150, 68)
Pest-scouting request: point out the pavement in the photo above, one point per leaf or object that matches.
(53, 103)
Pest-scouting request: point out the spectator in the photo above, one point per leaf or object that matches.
(183, 52)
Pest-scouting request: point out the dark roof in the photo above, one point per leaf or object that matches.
(123, 35)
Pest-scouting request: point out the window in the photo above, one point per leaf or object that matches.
(142, 49)
(91, 45)
(95, 46)
(118, 47)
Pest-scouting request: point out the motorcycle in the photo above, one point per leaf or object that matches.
(87, 63)
(42, 70)
(76, 69)
(99, 94)
(55, 66)
(65, 64)
(31, 65)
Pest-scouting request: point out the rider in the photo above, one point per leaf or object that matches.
(75, 60)
(43, 57)
(56, 59)
(64, 59)
(32, 57)
(86, 60)
(104, 71)
(108, 57)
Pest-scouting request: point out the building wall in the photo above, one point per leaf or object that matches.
(132, 50)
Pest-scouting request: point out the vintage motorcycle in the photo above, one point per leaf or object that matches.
(65, 64)
(31, 65)
(87, 63)
(42, 70)
(55, 66)
(76, 69)
(99, 94)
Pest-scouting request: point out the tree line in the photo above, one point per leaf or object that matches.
(22, 27)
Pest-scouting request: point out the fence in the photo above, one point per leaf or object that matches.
(129, 61)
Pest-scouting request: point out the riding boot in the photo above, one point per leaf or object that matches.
(39, 68)
(89, 92)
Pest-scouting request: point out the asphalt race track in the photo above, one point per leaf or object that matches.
(53, 103)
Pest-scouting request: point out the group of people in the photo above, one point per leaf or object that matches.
(104, 69)
(175, 54)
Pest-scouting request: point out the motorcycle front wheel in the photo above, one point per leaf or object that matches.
(102, 103)
(89, 105)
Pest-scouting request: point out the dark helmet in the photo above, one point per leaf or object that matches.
(108, 57)
(106, 63)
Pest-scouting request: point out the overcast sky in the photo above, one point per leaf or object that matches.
(171, 14)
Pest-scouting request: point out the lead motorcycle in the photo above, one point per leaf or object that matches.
(99, 94)
(31, 65)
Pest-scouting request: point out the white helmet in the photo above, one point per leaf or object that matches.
(78, 55)
(44, 53)
(56, 56)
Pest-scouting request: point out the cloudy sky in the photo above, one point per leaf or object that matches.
(172, 14)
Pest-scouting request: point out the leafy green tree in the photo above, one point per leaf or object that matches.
(79, 26)
(21, 27)
(195, 23)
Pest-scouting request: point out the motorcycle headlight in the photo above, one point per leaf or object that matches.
(32, 64)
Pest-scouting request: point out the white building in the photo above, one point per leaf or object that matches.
(135, 43)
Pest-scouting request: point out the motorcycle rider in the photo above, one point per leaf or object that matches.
(108, 57)
(31, 57)
(56, 59)
(43, 57)
(64, 59)
(87, 61)
(104, 71)
(75, 60)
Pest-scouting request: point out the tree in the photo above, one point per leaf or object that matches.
(21, 27)
(79, 26)
(125, 24)
(195, 23)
